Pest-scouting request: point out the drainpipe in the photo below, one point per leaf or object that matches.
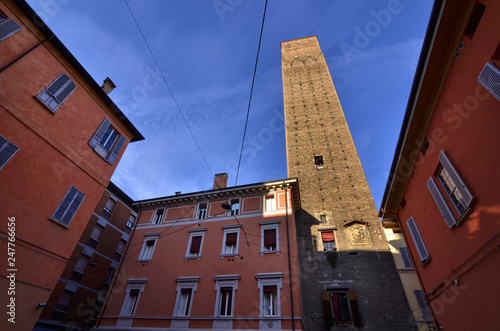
(289, 258)
(416, 271)
(119, 267)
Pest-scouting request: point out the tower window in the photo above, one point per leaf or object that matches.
(318, 161)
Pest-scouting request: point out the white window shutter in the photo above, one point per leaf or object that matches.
(441, 203)
(490, 79)
(417, 239)
(456, 178)
(116, 149)
(8, 27)
(100, 132)
(7, 151)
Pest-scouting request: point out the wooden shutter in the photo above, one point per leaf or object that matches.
(58, 91)
(116, 149)
(68, 206)
(8, 27)
(353, 302)
(490, 79)
(406, 257)
(419, 243)
(195, 244)
(327, 308)
(7, 151)
(441, 203)
(269, 237)
(422, 305)
(456, 178)
(100, 132)
(231, 238)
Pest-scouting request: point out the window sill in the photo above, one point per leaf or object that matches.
(277, 252)
(232, 254)
(144, 260)
(59, 223)
(425, 262)
(192, 258)
(463, 217)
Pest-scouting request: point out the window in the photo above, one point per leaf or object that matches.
(230, 243)
(202, 211)
(104, 140)
(406, 257)
(109, 276)
(94, 236)
(270, 202)
(62, 306)
(108, 209)
(80, 268)
(426, 315)
(7, 151)
(225, 301)
(7, 27)
(417, 239)
(130, 224)
(474, 19)
(134, 289)
(328, 238)
(225, 286)
(270, 285)
(340, 307)
(158, 216)
(269, 237)
(58, 91)
(119, 250)
(322, 218)
(186, 286)
(195, 243)
(235, 207)
(318, 161)
(148, 248)
(457, 192)
(490, 79)
(68, 206)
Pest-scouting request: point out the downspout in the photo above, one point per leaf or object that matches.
(289, 258)
(117, 273)
(25, 53)
(416, 271)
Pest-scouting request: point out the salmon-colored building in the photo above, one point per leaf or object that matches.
(444, 183)
(215, 260)
(61, 138)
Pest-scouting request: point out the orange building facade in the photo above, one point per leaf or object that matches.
(61, 138)
(444, 184)
(216, 260)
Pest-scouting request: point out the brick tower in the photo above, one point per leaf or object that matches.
(347, 272)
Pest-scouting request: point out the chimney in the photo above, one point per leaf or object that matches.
(220, 181)
(178, 193)
(108, 85)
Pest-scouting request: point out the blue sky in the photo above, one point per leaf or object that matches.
(206, 50)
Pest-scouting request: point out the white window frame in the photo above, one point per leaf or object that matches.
(269, 225)
(132, 284)
(195, 233)
(270, 202)
(146, 254)
(270, 279)
(190, 283)
(235, 207)
(155, 220)
(52, 99)
(224, 252)
(201, 214)
(110, 154)
(225, 281)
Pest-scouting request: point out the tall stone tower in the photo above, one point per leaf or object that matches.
(348, 276)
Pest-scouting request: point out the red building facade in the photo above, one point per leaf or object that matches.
(61, 138)
(445, 179)
(219, 259)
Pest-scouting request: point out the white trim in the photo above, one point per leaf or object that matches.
(236, 249)
(263, 227)
(149, 257)
(233, 283)
(133, 284)
(188, 250)
(189, 283)
(154, 216)
(265, 280)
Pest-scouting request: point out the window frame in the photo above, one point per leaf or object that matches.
(235, 207)
(201, 213)
(269, 225)
(265, 280)
(200, 232)
(147, 255)
(332, 247)
(133, 285)
(6, 21)
(350, 303)
(227, 231)
(405, 256)
(112, 153)
(50, 99)
(155, 220)
(185, 283)
(270, 202)
(7, 151)
(418, 241)
(225, 281)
